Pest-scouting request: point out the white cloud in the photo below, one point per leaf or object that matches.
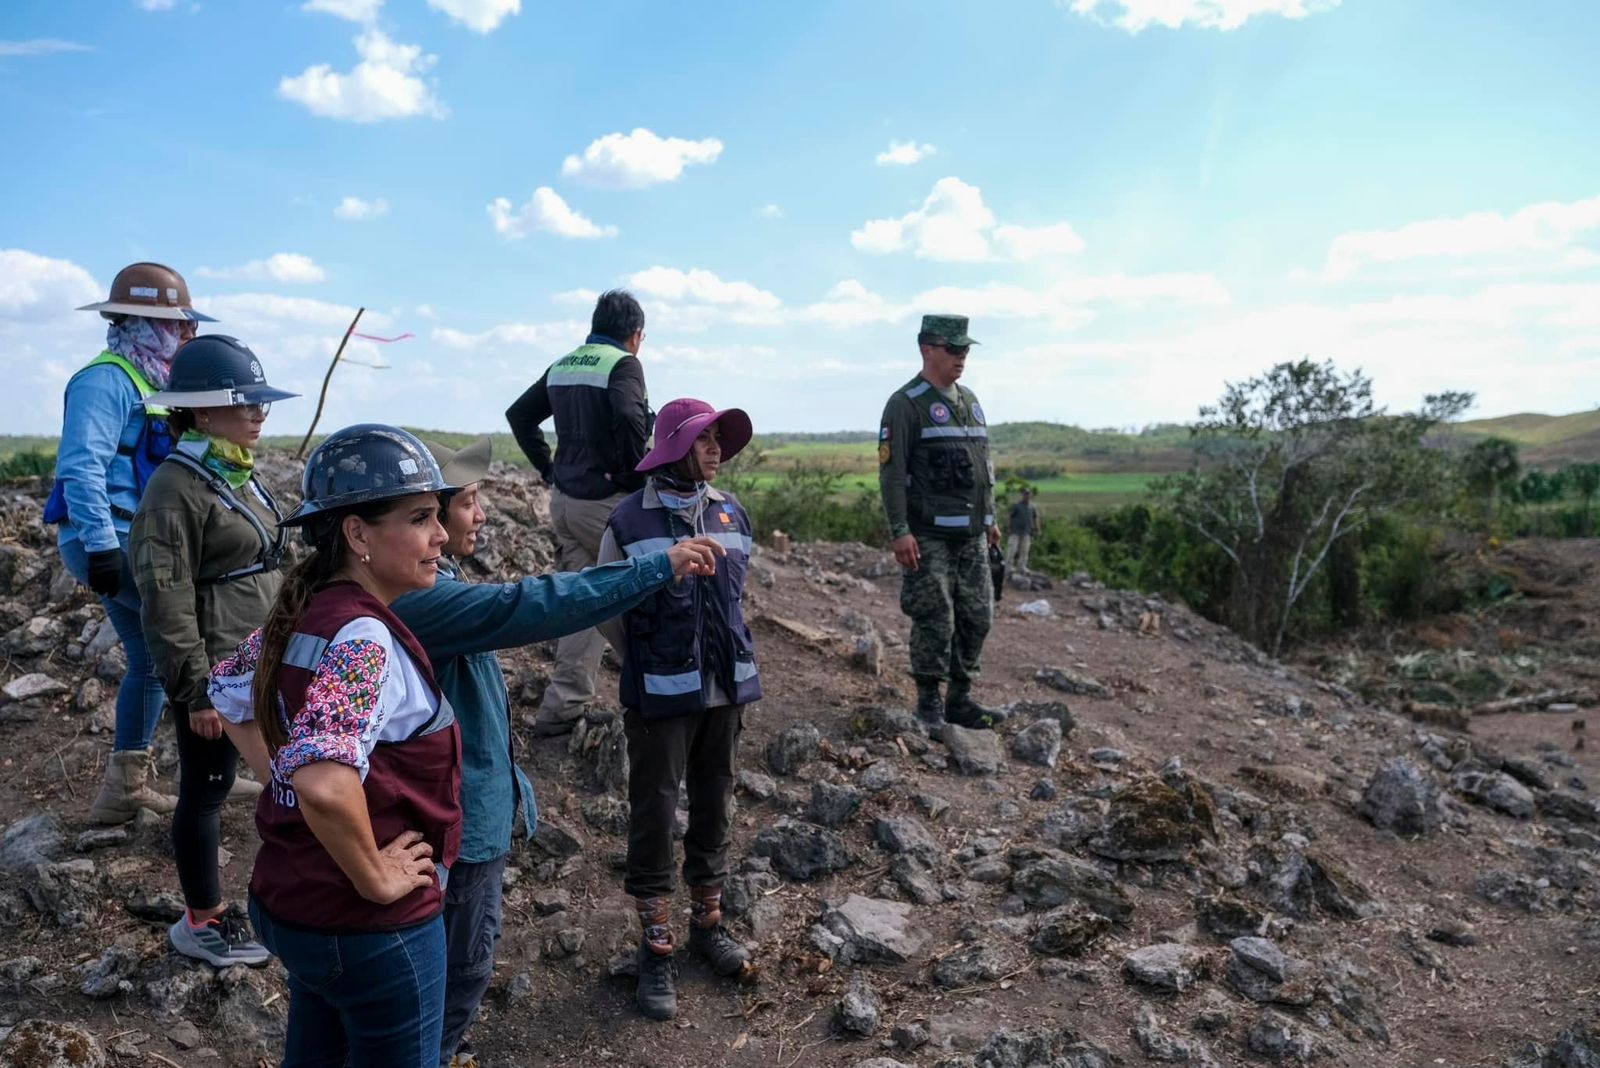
(770, 211)
(362, 11)
(1034, 242)
(32, 285)
(40, 46)
(702, 287)
(638, 160)
(356, 209)
(904, 154)
(849, 303)
(483, 16)
(384, 85)
(288, 267)
(1550, 232)
(157, 5)
(545, 211)
(514, 335)
(1138, 15)
(954, 225)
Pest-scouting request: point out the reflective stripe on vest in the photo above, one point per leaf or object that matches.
(918, 390)
(646, 546)
(587, 365)
(951, 520)
(672, 685)
(955, 432)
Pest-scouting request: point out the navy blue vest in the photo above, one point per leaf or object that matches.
(683, 637)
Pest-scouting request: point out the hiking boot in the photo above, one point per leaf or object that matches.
(719, 949)
(657, 995)
(244, 790)
(223, 941)
(549, 727)
(125, 789)
(930, 706)
(963, 711)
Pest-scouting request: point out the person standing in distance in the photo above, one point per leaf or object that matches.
(596, 395)
(937, 484)
(1022, 527)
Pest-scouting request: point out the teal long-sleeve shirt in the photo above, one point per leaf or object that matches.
(461, 625)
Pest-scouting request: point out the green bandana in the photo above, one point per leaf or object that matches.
(234, 463)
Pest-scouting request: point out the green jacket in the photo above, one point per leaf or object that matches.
(933, 463)
(185, 536)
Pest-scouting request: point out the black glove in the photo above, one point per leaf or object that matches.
(105, 572)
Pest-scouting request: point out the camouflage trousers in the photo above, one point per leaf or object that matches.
(950, 600)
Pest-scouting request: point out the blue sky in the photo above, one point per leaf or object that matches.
(1134, 200)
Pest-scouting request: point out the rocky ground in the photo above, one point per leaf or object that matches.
(1177, 850)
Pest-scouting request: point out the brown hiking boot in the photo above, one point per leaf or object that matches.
(125, 789)
(708, 937)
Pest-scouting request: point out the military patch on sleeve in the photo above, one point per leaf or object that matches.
(883, 454)
(883, 433)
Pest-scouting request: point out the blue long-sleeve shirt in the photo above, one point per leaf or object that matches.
(103, 411)
(461, 625)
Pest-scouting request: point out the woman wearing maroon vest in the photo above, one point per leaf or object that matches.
(362, 818)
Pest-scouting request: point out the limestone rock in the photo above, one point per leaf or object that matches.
(1403, 798)
(1495, 790)
(1038, 743)
(1278, 1038)
(34, 684)
(832, 805)
(29, 842)
(902, 834)
(1056, 881)
(801, 850)
(875, 931)
(975, 752)
(1167, 965)
(859, 1011)
(1069, 931)
(1071, 682)
(1151, 821)
(47, 1044)
(794, 746)
(1159, 1044)
(983, 962)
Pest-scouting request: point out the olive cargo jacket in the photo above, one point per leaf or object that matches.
(184, 536)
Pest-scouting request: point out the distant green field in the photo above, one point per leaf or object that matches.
(1063, 496)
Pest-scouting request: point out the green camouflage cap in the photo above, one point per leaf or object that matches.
(951, 329)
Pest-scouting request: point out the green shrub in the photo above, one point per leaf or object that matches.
(29, 463)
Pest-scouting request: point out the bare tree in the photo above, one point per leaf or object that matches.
(1291, 462)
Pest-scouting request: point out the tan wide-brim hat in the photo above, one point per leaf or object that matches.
(466, 465)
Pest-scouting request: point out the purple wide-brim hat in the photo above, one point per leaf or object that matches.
(680, 421)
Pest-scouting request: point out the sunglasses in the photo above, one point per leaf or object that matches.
(956, 350)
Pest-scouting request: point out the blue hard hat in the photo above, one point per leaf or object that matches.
(215, 371)
(365, 463)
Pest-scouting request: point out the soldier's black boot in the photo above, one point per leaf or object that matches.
(657, 995)
(930, 706)
(963, 711)
(708, 937)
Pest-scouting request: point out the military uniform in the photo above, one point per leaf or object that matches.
(937, 483)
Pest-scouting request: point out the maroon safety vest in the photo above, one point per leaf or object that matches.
(414, 784)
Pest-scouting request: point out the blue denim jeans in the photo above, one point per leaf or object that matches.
(140, 698)
(364, 1000)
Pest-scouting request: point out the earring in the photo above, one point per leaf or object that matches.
(366, 558)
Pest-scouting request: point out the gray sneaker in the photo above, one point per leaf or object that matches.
(225, 941)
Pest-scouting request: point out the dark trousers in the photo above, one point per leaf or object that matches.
(471, 930)
(360, 1000)
(206, 771)
(698, 751)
